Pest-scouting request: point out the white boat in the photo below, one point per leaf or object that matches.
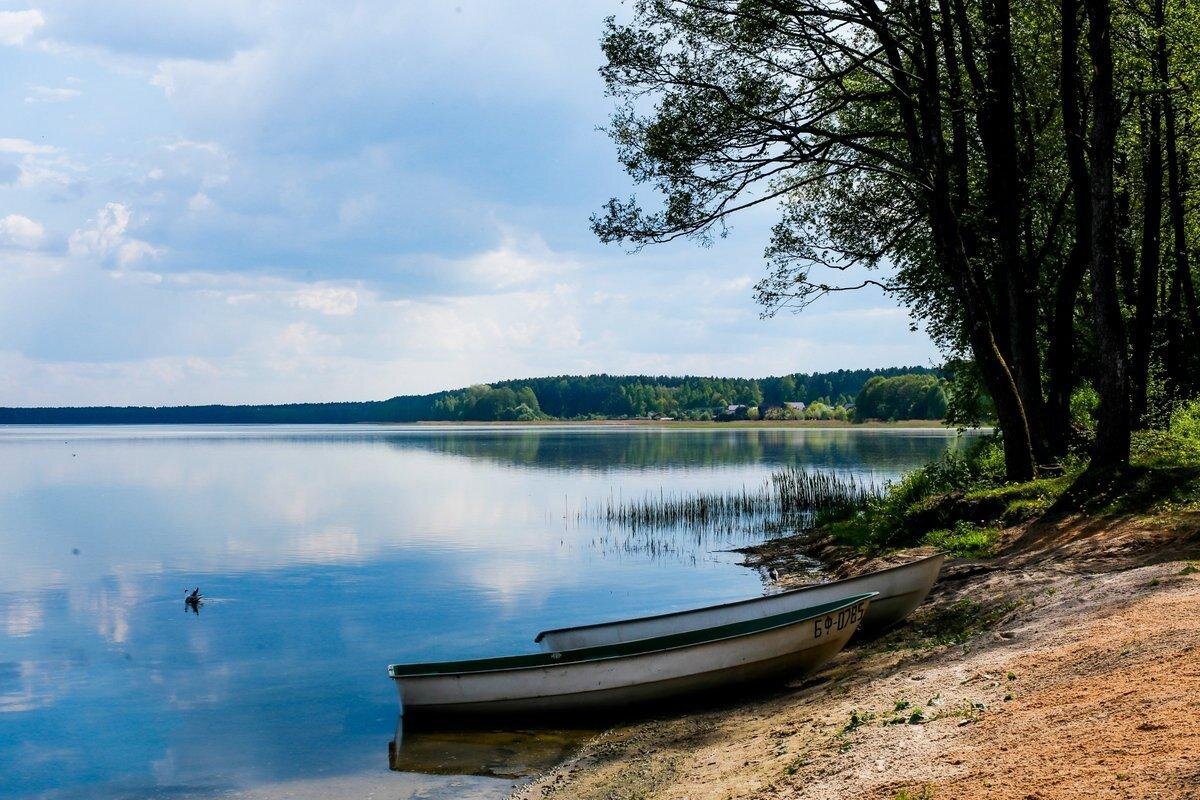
(900, 589)
(615, 676)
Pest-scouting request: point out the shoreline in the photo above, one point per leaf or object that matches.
(911, 424)
(1063, 668)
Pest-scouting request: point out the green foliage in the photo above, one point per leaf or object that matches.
(965, 540)
(559, 397)
(925, 793)
(857, 720)
(955, 503)
(1084, 402)
(901, 397)
(1178, 445)
(967, 401)
(485, 403)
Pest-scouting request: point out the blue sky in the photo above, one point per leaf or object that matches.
(268, 202)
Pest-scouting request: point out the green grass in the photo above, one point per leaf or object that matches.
(965, 540)
(961, 502)
(953, 624)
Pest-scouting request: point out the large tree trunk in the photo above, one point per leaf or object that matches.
(1113, 417)
(981, 327)
(1008, 184)
(1060, 355)
(1147, 288)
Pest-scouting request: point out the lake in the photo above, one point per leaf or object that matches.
(326, 553)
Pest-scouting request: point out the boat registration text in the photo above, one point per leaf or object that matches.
(832, 623)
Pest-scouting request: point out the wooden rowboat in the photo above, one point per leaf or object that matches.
(900, 589)
(616, 676)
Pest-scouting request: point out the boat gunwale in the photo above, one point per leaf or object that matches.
(637, 647)
(732, 603)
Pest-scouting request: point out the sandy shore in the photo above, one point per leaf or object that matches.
(1068, 668)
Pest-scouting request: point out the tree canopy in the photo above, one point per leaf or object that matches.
(528, 399)
(1016, 175)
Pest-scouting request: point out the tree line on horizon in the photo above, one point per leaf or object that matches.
(530, 399)
(1021, 176)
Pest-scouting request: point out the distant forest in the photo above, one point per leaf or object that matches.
(561, 397)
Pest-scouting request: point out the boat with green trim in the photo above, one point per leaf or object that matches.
(900, 589)
(616, 676)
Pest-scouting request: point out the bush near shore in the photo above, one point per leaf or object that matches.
(961, 502)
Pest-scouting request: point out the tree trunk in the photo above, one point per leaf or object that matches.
(1113, 419)
(1147, 289)
(1060, 355)
(930, 150)
(1016, 280)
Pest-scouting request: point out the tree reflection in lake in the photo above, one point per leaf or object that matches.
(332, 552)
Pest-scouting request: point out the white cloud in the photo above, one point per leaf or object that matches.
(105, 238)
(50, 94)
(17, 230)
(17, 26)
(199, 202)
(328, 300)
(24, 147)
(189, 144)
(515, 262)
(354, 210)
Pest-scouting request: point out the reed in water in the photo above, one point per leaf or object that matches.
(788, 495)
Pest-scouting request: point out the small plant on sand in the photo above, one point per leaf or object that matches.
(857, 720)
(953, 624)
(916, 717)
(924, 793)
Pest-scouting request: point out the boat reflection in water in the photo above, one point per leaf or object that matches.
(508, 754)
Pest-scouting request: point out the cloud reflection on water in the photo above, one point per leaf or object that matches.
(325, 555)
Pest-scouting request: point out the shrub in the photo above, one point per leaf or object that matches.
(1176, 445)
(1084, 402)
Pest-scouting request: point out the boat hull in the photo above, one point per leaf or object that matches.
(615, 684)
(899, 590)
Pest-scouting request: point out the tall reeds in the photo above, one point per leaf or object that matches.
(789, 495)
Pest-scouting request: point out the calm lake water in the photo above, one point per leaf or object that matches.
(327, 553)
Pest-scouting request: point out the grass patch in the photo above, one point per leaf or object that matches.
(965, 541)
(924, 793)
(953, 624)
(960, 502)
(1137, 489)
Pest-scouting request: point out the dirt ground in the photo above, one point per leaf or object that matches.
(1067, 668)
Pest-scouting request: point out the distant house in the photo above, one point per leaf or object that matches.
(734, 411)
(796, 405)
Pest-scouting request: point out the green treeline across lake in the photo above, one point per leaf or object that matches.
(896, 393)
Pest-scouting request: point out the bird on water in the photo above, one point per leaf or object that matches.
(193, 599)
